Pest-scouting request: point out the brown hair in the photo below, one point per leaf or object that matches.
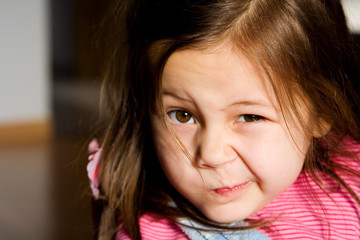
(303, 46)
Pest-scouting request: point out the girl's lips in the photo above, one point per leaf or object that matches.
(230, 191)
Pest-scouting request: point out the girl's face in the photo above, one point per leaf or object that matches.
(225, 114)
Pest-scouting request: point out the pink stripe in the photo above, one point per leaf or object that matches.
(153, 228)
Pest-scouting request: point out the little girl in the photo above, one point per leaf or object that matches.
(229, 119)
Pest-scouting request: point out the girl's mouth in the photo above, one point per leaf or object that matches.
(232, 191)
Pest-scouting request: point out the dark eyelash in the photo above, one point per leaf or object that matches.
(253, 117)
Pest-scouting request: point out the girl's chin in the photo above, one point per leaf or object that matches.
(225, 217)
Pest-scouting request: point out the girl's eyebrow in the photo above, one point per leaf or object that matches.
(250, 103)
(173, 94)
(259, 103)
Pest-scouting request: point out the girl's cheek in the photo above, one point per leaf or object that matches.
(185, 130)
(187, 135)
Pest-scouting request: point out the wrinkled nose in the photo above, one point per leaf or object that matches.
(215, 148)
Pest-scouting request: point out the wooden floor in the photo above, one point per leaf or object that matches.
(71, 193)
(44, 193)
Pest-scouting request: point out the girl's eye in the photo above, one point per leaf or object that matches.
(180, 116)
(249, 118)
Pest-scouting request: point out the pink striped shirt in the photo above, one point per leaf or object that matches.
(303, 211)
(152, 228)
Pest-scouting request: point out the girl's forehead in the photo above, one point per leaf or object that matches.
(220, 66)
(223, 53)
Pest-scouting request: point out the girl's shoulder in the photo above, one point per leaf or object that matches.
(155, 227)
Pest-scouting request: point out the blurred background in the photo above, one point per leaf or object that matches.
(49, 93)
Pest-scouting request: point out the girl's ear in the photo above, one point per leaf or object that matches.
(322, 128)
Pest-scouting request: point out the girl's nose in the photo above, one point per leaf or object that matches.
(215, 148)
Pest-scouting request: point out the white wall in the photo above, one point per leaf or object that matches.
(352, 11)
(24, 61)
